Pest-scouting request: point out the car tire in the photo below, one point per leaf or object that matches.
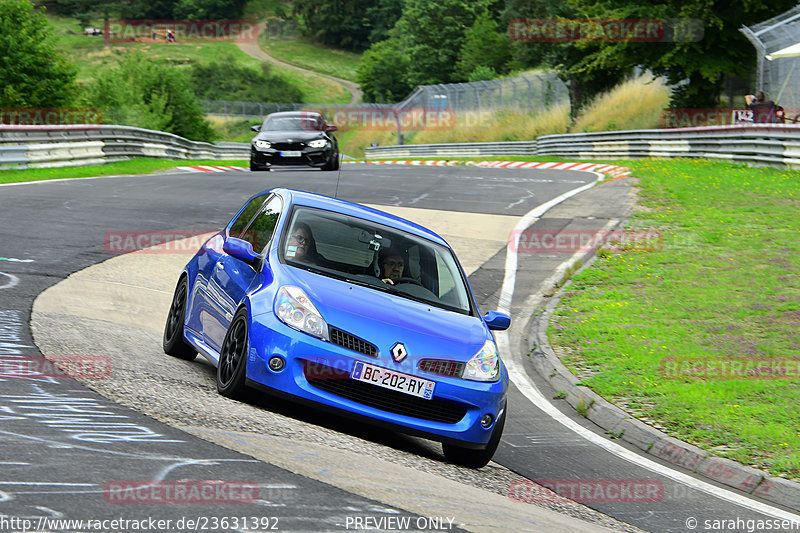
(173, 342)
(256, 168)
(333, 164)
(476, 458)
(232, 364)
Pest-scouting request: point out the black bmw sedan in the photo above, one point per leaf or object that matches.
(294, 138)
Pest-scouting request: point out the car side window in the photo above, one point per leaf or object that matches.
(241, 222)
(261, 229)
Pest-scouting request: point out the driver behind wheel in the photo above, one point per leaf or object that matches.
(392, 265)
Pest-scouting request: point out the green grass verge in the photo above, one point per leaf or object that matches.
(134, 166)
(316, 57)
(315, 88)
(724, 285)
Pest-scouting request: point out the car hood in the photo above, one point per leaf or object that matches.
(295, 135)
(385, 319)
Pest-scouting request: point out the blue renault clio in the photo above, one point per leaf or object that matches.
(347, 308)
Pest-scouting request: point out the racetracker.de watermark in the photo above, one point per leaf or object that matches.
(729, 368)
(561, 30)
(586, 490)
(535, 241)
(155, 242)
(392, 118)
(180, 492)
(55, 366)
(49, 116)
(183, 30)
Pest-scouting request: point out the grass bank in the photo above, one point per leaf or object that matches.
(92, 57)
(691, 335)
(134, 166)
(312, 56)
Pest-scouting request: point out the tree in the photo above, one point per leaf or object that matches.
(340, 23)
(382, 16)
(383, 72)
(484, 47)
(701, 63)
(33, 73)
(433, 32)
(568, 59)
(208, 9)
(148, 94)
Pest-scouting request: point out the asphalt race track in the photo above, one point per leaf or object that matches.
(312, 472)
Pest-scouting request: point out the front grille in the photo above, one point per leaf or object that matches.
(288, 146)
(351, 342)
(452, 369)
(339, 383)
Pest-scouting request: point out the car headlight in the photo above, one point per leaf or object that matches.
(319, 143)
(263, 144)
(484, 365)
(295, 309)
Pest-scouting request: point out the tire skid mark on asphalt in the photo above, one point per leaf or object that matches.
(11, 281)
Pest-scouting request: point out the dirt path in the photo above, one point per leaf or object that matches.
(253, 50)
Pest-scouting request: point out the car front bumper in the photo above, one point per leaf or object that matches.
(317, 372)
(312, 157)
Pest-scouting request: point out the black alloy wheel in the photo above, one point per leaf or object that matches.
(173, 342)
(233, 358)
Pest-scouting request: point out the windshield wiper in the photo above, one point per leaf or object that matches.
(392, 290)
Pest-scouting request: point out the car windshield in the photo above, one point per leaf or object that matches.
(375, 256)
(292, 123)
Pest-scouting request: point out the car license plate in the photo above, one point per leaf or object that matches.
(291, 153)
(389, 379)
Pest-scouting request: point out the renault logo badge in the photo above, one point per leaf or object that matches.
(399, 352)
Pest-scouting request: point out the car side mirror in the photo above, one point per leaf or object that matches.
(497, 321)
(255, 128)
(331, 127)
(241, 250)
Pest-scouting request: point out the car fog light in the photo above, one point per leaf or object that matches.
(487, 420)
(276, 363)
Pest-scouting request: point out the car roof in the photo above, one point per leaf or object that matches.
(295, 114)
(344, 207)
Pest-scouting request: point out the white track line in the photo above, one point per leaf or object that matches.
(530, 391)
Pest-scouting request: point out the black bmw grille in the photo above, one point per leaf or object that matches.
(339, 383)
(288, 146)
(351, 342)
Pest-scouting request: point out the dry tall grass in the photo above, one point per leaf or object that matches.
(500, 125)
(354, 142)
(634, 104)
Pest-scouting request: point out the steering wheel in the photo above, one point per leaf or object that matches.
(398, 281)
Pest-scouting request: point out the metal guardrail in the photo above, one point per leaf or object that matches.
(758, 144)
(72, 145)
(453, 150)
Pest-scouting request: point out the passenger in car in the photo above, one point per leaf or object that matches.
(301, 245)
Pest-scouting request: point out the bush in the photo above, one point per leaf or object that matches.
(148, 94)
(383, 72)
(224, 79)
